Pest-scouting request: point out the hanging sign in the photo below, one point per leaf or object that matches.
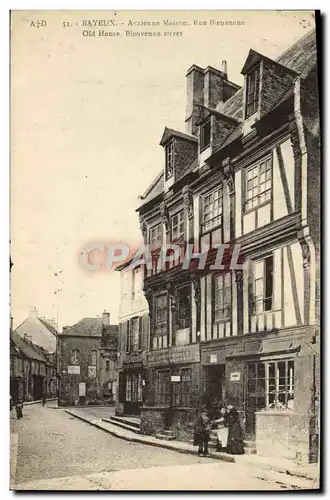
(235, 376)
(175, 378)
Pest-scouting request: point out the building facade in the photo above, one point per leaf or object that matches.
(245, 175)
(86, 362)
(133, 341)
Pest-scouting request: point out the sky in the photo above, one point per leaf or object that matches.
(87, 115)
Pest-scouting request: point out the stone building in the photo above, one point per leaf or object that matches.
(32, 370)
(87, 364)
(133, 341)
(42, 331)
(245, 172)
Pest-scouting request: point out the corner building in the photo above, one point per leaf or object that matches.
(245, 172)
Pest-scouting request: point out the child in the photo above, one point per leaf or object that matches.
(202, 433)
(19, 409)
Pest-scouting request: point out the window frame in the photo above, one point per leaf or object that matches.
(159, 239)
(257, 165)
(182, 391)
(160, 337)
(75, 357)
(188, 316)
(169, 160)
(223, 291)
(264, 298)
(252, 98)
(202, 144)
(210, 193)
(180, 214)
(163, 397)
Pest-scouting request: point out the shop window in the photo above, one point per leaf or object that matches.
(160, 322)
(258, 184)
(184, 307)
(133, 387)
(263, 285)
(163, 387)
(252, 91)
(270, 384)
(222, 297)
(181, 395)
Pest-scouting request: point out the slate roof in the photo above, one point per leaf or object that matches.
(299, 57)
(87, 327)
(169, 132)
(27, 348)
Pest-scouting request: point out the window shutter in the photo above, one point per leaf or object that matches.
(128, 343)
(140, 333)
(121, 392)
(145, 332)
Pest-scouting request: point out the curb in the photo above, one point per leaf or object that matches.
(37, 401)
(166, 445)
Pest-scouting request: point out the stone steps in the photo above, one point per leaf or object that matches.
(122, 425)
(134, 422)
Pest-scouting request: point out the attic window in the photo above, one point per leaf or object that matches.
(169, 151)
(205, 134)
(252, 91)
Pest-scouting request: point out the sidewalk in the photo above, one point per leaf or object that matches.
(277, 465)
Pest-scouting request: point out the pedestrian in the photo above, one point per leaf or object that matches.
(235, 444)
(19, 409)
(43, 400)
(222, 428)
(202, 432)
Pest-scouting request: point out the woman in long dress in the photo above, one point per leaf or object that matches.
(235, 444)
(222, 429)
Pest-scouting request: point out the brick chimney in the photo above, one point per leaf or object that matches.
(33, 312)
(206, 87)
(105, 318)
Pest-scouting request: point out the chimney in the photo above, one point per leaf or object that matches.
(224, 67)
(105, 318)
(213, 87)
(195, 95)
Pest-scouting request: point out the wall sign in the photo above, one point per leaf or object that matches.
(91, 371)
(175, 378)
(74, 370)
(235, 376)
(213, 358)
(82, 389)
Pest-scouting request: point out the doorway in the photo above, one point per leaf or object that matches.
(215, 384)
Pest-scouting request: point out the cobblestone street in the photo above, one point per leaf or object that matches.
(58, 451)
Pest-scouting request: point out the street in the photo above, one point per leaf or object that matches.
(56, 450)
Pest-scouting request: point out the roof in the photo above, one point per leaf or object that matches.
(169, 132)
(299, 57)
(86, 327)
(48, 326)
(41, 332)
(27, 348)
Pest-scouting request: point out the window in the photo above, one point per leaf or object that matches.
(137, 283)
(160, 332)
(169, 152)
(155, 236)
(177, 225)
(182, 390)
(212, 210)
(133, 339)
(263, 285)
(163, 388)
(252, 91)
(107, 365)
(75, 357)
(222, 297)
(184, 308)
(271, 384)
(205, 134)
(94, 355)
(258, 184)
(134, 387)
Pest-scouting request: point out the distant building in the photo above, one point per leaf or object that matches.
(133, 341)
(41, 331)
(32, 370)
(87, 353)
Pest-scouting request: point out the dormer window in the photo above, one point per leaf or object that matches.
(169, 152)
(205, 134)
(252, 91)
